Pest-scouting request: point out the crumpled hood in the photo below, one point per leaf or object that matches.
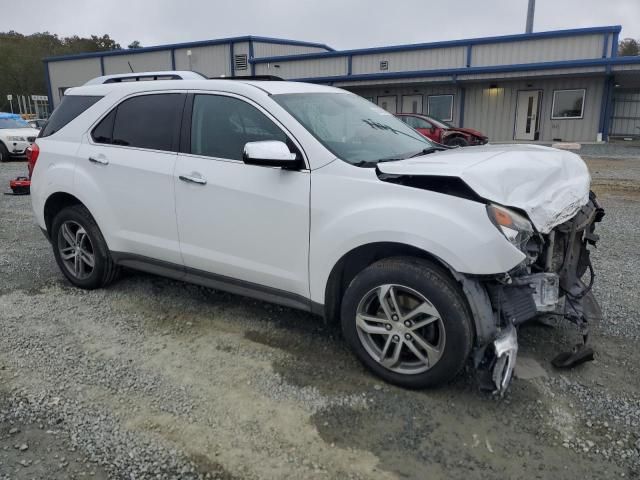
(551, 185)
(18, 132)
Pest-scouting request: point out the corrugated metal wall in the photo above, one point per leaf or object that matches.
(140, 62)
(71, 73)
(493, 110)
(626, 113)
(429, 59)
(305, 68)
(263, 49)
(424, 90)
(541, 50)
(212, 60)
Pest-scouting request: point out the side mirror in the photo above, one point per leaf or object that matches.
(269, 153)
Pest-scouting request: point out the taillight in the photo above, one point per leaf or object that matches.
(32, 153)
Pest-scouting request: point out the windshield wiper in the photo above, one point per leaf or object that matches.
(426, 151)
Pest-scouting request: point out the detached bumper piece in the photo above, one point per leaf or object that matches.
(506, 351)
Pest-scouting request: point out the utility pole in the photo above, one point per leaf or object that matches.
(530, 12)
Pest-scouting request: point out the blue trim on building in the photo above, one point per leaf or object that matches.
(47, 80)
(597, 62)
(102, 66)
(608, 107)
(232, 65)
(450, 43)
(202, 43)
(605, 45)
(469, 54)
(173, 59)
(349, 65)
(461, 100)
(614, 44)
(253, 65)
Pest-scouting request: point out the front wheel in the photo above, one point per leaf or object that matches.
(457, 142)
(4, 153)
(408, 322)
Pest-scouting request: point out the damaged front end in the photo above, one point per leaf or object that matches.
(549, 282)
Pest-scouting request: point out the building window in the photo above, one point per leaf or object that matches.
(240, 62)
(568, 104)
(440, 107)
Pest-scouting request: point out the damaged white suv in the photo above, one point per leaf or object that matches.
(312, 197)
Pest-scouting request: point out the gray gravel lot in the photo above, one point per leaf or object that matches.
(153, 378)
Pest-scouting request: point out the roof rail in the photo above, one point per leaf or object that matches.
(146, 76)
(272, 78)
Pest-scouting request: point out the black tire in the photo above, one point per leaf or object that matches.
(4, 153)
(436, 285)
(104, 270)
(457, 142)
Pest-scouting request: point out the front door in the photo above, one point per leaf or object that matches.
(389, 103)
(412, 104)
(243, 222)
(527, 115)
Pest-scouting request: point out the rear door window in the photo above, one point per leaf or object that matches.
(146, 121)
(70, 107)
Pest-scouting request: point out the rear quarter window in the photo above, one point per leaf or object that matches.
(70, 107)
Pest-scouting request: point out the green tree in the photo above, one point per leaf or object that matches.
(629, 47)
(21, 67)
(134, 44)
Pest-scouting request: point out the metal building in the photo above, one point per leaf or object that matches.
(566, 85)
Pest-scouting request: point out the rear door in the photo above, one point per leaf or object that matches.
(238, 221)
(127, 163)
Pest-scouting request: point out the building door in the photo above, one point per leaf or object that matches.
(527, 114)
(389, 103)
(412, 104)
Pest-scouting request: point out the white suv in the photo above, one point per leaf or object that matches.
(312, 197)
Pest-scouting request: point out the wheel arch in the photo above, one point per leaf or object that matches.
(359, 258)
(55, 203)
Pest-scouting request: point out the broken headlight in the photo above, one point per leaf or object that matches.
(515, 227)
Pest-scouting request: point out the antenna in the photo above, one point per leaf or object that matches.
(130, 66)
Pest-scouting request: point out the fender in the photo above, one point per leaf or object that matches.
(456, 230)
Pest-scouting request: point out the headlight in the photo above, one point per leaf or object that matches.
(17, 139)
(516, 228)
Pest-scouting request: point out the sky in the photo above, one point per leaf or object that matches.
(339, 23)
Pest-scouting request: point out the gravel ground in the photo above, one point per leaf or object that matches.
(153, 378)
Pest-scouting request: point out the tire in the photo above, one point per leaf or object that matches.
(76, 239)
(4, 153)
(457, 142)
(445, 315)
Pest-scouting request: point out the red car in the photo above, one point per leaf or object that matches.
(442, 132)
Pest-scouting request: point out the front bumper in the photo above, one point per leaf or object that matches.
(551, 284)
(18, 149)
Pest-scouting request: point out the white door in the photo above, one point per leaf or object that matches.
(389, 103)
(240, 221)
(412, 104)
(527, 114)
(126, 168)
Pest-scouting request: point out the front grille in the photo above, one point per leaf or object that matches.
(31, 139)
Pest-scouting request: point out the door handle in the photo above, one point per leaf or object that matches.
(100, 160)
(193, 179)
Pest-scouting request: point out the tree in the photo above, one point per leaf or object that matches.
(629, 47)
(134, 44)
(21, 67)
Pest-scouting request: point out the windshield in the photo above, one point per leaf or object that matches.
(352, 128)
(13, 123)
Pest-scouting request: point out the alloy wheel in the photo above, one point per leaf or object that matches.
(400, 329)
(76, 250)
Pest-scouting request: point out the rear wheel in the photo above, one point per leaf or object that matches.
(80, 249)
(408, 322)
